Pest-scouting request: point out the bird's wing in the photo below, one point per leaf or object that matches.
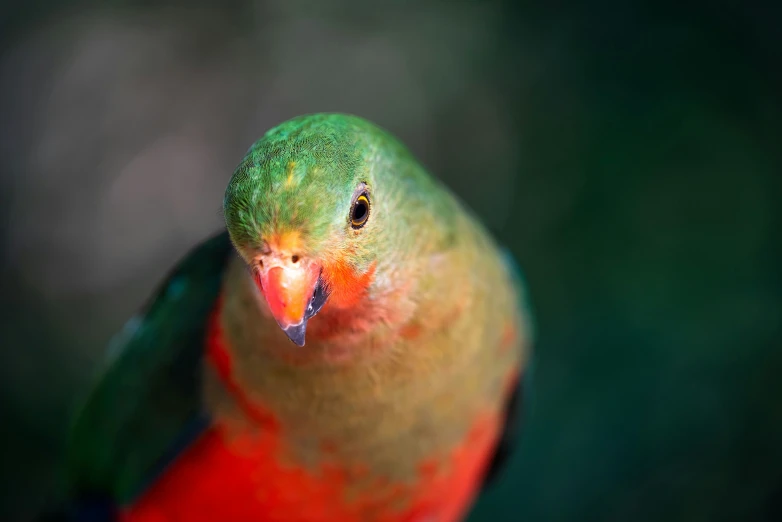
(146, 406)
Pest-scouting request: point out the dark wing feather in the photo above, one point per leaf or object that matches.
(510, 434)
(147, 404)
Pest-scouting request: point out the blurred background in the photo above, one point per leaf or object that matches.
(630, 156)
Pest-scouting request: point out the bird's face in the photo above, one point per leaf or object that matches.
(300, 211)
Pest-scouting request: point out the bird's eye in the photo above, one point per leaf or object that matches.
(360, 211)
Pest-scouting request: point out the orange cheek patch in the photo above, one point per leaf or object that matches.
(347, 286)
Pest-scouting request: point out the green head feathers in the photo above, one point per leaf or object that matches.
(306, 176)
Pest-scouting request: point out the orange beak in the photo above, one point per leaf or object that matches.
(294, 292)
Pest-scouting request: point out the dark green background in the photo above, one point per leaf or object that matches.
(629, 155)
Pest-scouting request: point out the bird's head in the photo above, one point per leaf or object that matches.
(306, 209)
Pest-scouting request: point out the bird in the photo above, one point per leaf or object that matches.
(352, 347)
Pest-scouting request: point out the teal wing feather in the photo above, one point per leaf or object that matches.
(147, 403)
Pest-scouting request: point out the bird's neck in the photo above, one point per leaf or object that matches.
(384, 338)
(437, 334)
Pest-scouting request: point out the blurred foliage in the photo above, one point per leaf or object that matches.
(628, 154)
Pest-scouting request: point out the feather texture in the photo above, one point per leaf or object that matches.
(395, 406)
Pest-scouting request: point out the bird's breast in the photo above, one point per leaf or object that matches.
(255, 464)
(231, 476)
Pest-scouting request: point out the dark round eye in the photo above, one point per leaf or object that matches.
(360, 211)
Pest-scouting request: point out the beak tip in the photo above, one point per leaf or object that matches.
(296, 333)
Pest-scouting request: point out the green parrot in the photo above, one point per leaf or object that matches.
(351, 348)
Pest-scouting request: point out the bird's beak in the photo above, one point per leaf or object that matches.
(294, 292)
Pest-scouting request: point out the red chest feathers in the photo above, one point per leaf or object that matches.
(226, 477)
